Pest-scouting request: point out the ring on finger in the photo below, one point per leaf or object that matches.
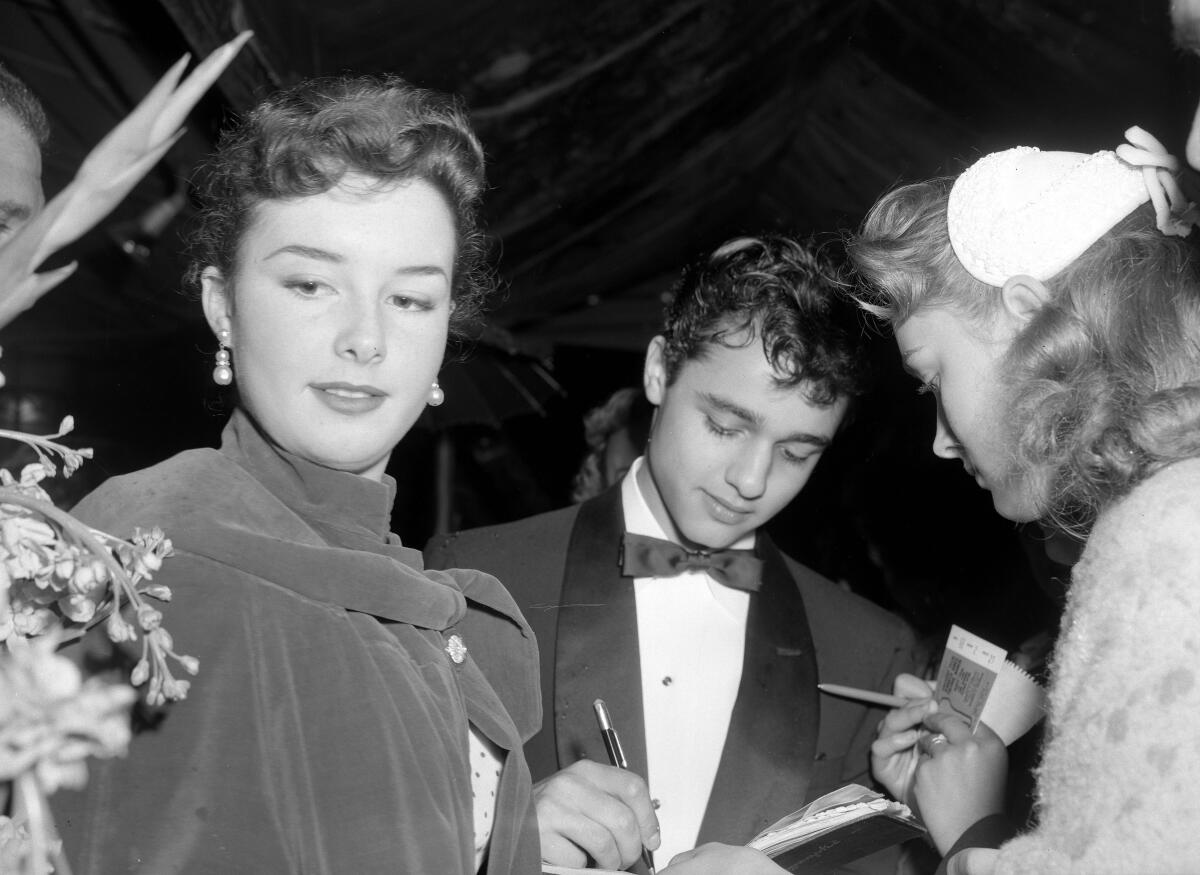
(929, 742)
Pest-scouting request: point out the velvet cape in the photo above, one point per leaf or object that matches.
(326, 731)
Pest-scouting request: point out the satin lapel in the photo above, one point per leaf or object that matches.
(767, 760)
(596, 655)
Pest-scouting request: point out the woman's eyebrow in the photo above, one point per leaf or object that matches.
(307, 252)
(318, 254)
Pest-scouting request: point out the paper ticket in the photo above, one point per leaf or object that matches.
(969, 667)
(1015, 704)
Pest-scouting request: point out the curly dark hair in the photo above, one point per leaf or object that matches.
(786, 292)
(302, 142)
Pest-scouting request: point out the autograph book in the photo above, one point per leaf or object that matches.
(841, 826)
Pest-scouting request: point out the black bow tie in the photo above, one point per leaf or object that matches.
(653, 557)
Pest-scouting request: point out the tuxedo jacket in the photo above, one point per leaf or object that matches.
(786, 744)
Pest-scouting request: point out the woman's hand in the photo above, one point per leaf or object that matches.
(960, 778)
(717, 859)
(894, 754)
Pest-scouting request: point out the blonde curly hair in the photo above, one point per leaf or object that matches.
(1104, 380)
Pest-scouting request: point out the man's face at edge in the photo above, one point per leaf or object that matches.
(21, 196)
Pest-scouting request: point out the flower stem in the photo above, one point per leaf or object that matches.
(29, 798)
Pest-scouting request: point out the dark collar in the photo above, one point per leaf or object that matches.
(342, 506)
(317, 532)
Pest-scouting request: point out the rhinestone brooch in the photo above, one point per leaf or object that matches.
(456, 649)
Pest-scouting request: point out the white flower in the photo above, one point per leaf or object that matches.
(78, 608)
(52, 719)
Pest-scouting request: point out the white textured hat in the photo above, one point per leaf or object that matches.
(1024, 211)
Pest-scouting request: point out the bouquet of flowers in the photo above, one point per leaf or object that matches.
(58, 577)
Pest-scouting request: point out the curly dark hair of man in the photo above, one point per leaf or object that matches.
(302, 141)
(786, 293)
(16, 98)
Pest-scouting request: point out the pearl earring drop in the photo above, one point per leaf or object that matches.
(223, 373)
(436, 395)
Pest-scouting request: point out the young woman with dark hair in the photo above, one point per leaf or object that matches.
(352, 712)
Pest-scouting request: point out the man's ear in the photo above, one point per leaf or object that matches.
(1023, 297)
(216, 298)
(654, 374)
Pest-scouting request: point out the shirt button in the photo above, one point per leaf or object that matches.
(456, 648)
(667, 681)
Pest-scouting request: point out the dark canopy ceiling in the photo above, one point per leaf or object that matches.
(627, 137)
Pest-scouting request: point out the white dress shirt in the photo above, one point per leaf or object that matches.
(691, 635)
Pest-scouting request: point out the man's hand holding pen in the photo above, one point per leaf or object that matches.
(589, 813)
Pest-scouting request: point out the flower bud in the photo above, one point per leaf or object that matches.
(151, 561)
(155, 694)
(141, 672)
(35, 472)
(84, 579)
(148, 617)
(119, 630)
(64, 567)
(161, 638)
(175, 689)
(77, 608)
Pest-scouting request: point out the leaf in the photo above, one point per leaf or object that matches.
(107, 174)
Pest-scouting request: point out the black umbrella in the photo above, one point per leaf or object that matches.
(494, 381)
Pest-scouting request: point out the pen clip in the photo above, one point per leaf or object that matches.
(612, 742)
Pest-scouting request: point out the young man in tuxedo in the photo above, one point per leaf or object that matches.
(663, 597)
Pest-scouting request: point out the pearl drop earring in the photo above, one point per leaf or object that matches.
(223, 372)
(436, 395)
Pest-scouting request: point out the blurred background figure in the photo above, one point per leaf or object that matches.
(616, 433)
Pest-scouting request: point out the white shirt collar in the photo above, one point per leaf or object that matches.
(640, 520)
